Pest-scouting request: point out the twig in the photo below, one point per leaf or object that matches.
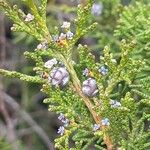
(2, 39)
(24, 77)
(11, 135)
(97, 118)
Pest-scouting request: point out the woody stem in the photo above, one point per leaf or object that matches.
(77, 85)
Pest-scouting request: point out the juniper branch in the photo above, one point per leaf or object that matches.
(24, 77)
(77, 85)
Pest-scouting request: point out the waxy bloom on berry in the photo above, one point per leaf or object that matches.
(86, 72)
(63, 119)
(69, 35)
(43, 45)
(55, 38)
(62, 36)
(29, 17)
(66, 122)
(97, 9)
(105, 122)
(103, 70)
(115, 104)
(96, 127)
(89, 87)
(59, 76)
(61, 130)
(50, 63)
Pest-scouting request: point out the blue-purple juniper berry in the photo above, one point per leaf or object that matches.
(61, 130)
(29, 17)
(96, 127)
(43, 45)
(66, 122)
(69, 35)
(97, 9)
(62, 36)
(59, 76)
(89, 87)
(105, 122)
(103, 70)
(55, 38)
(115, 104)
(85, 72)
(50, 63)
(63, 119)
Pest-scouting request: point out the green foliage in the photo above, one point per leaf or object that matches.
(138, 139)
(125, 129)
(137, 30)
(4, 145)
